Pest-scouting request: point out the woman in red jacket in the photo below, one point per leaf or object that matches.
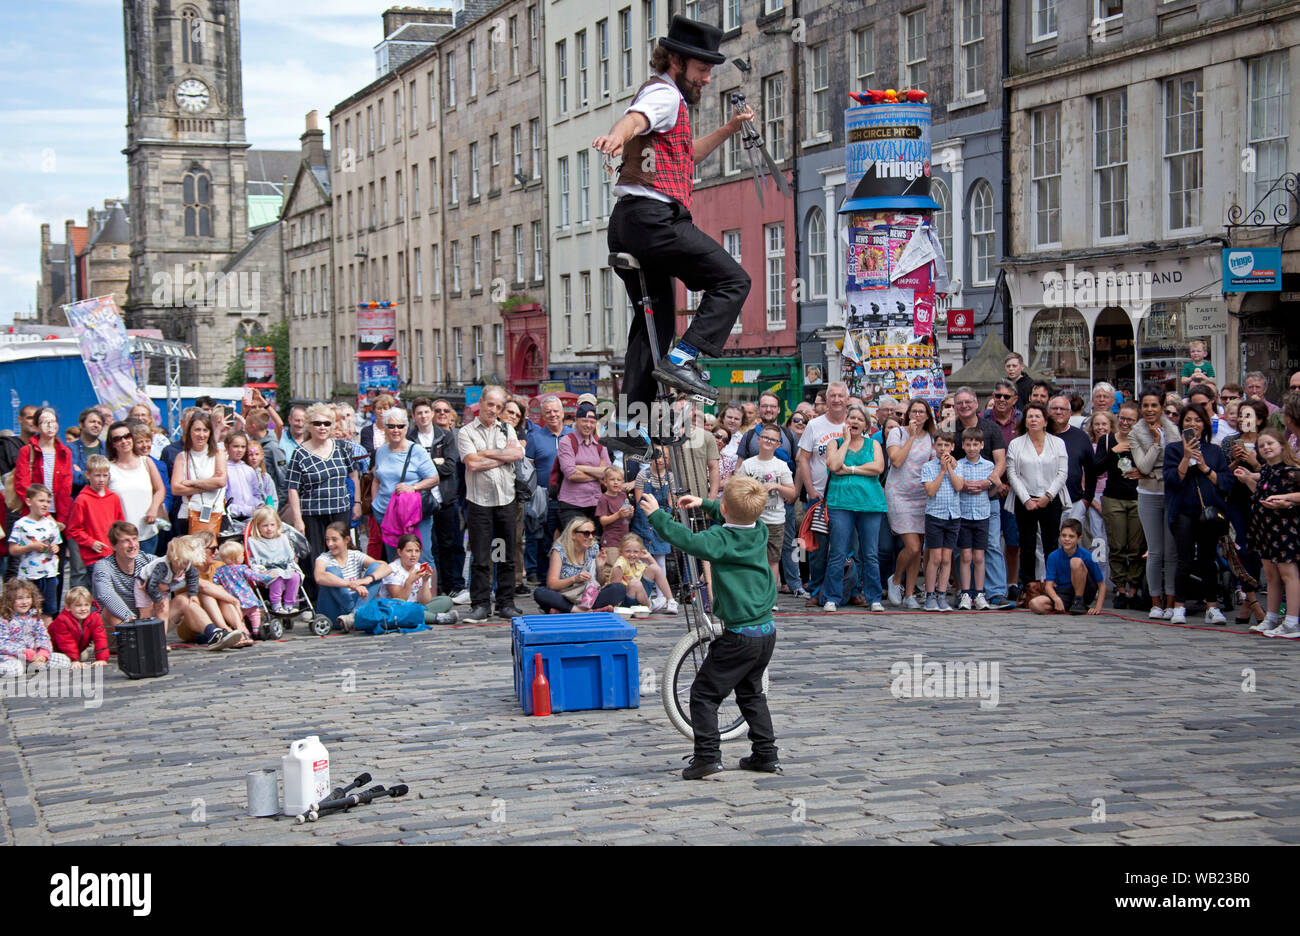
(43, 449)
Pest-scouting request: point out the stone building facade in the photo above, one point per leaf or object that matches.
(104, 266)
(953, 51)
(309, 265)
(1133, 135)
(425, 199)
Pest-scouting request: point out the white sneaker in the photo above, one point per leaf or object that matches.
(981, 603)
(657, 602)
(965, 603)
(461, 597)
(1157, 613)
(1292, 632)
(671, 607)
(877, 606)
(829, 606)
(1169, 613)
(912, 604)
(1178, 616)
(1214, 616)
(895, 593)
(1263, 627)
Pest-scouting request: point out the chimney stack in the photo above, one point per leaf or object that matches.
(313, 142)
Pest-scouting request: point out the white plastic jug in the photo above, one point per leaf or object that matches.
(306, 775)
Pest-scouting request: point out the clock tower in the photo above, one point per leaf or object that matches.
(188, 167)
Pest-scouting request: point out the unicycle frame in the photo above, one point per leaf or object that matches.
(693, 593)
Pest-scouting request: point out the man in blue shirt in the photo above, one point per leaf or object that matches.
(541, 448)
(1073, 577)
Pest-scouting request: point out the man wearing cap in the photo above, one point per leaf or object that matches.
(652, 219)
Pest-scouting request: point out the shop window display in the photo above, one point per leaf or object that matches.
(1162, 345)
(1060, 349)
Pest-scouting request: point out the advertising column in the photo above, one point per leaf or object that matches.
(376, 352)
(894, 266)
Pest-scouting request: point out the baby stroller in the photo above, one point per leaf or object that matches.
(274, 624)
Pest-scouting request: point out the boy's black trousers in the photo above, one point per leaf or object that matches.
(734, 662)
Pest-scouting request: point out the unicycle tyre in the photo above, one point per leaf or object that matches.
(684, 663)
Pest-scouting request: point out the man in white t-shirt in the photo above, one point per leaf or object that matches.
(652, 219)
(775, 475)
(817, 435)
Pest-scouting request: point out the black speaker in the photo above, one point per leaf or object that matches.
(142, 648)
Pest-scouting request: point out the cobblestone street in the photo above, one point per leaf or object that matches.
(1105, 730)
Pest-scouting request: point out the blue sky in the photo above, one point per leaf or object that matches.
(63, 110)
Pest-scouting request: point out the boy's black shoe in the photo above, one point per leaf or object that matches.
(700, 769)
(1078, 605)
(686, 378)
(753, 762)
(1120, 602)
(1013, 592)
(477, 614)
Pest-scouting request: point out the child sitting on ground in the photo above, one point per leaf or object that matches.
(614, 512)
(409, 579)
(942, 480)
(36, 539)
(238, 579)
(1073, 577)
(77, 635)
(744, 593)
(24, 642)
(271, 553)
(634, 568)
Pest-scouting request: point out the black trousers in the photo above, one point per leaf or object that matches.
(734, 662)
(667, 244)
(315, 526)
(449, 535)
(492, 542)
(1045, 521)
(1197, 574)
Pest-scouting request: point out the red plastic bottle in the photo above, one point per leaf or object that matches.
(541, 688)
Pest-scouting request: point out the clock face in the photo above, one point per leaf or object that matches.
(192, 95)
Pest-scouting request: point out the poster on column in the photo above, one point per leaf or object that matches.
(868, 265)
(106, 351)
(376, 326)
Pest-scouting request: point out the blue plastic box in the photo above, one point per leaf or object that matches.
(590, 660)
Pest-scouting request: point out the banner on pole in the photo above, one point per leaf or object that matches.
(259, 365)
(106, 352)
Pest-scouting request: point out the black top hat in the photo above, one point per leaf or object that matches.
(693, 39)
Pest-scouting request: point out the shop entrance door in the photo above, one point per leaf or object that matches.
(1113, 351)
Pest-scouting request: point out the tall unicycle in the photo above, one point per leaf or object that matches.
(688, 654)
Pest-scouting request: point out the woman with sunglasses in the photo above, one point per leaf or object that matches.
(1148, 439)
(726, 463)
(317, 480)
(401, 466)
(576, 562)
(136, 482)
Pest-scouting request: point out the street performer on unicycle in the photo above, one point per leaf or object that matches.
(652, 219)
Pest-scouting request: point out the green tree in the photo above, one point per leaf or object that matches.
(277, 338)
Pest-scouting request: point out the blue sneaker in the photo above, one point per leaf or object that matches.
(931, 603)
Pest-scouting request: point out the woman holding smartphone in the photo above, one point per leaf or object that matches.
(1196, 480)
(1240, 449)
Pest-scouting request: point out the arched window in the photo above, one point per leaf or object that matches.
(943, 218)
(981, 234)
(1060, 349)
(192, 28)
(817, 253)
(197, 198)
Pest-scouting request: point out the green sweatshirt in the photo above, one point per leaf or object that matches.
(743, 588)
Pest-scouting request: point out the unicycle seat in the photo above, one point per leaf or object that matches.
(624, 261)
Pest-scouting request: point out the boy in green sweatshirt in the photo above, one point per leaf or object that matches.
(744, 593)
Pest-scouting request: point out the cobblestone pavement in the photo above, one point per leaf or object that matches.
(1105, 730)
